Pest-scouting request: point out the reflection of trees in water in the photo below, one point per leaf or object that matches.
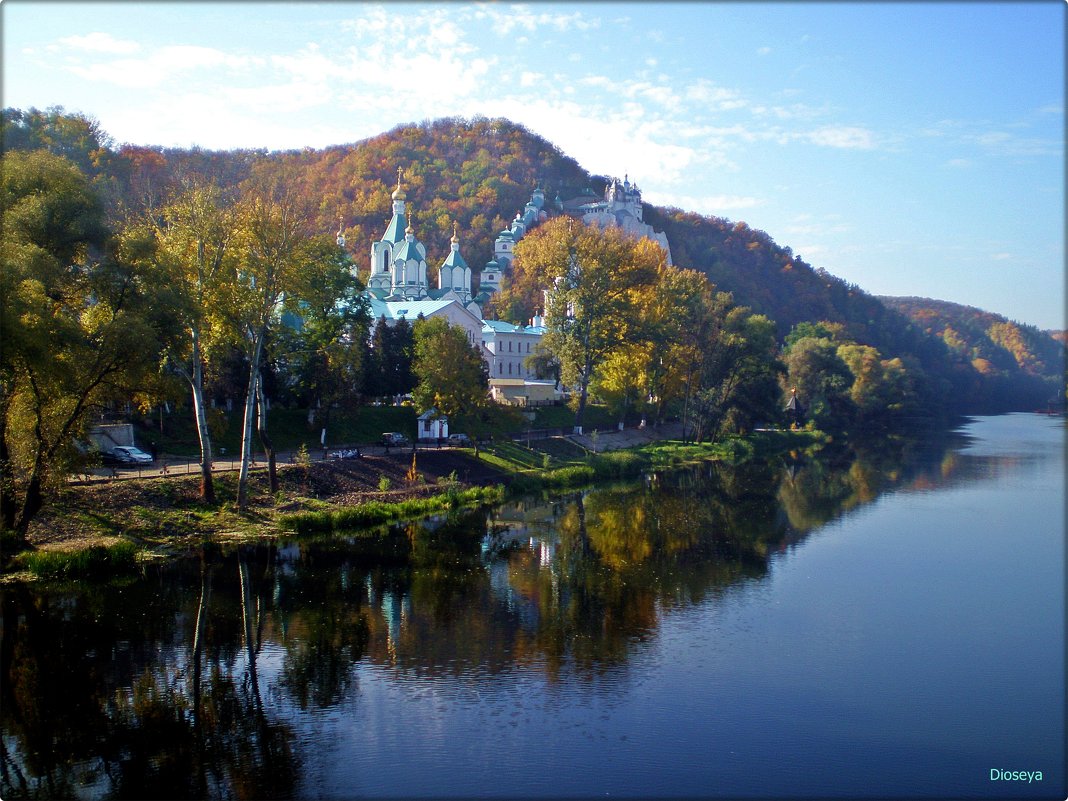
(819, 489)
(161, 687)
(130, 692)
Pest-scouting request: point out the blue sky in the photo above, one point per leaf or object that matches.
(913, 149)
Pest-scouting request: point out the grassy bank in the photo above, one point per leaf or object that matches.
(374, 512)
(559, 463)
(94, 562)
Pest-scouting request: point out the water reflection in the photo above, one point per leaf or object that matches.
(204, 678)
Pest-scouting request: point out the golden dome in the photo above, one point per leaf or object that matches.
(398, 193)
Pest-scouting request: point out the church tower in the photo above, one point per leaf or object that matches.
(454, 274)
(409, 267)
(382, 251)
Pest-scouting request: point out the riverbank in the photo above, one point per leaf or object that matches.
(163, 516)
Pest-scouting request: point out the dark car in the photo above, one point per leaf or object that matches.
(392, 438)
(460, 440)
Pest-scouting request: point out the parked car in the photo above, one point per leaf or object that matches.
(128, 454)
(392, 438)
(460, 440)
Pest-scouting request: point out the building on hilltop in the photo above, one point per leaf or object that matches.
(621, 207)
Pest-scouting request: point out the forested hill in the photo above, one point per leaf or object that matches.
(480, 172)
(989, 341)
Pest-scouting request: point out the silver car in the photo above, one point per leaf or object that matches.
(128, 454)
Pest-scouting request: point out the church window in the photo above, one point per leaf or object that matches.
(500, 368)
(509, 346)
(385, 261)
(509, 368)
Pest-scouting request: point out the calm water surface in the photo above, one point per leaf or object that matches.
(887, 621)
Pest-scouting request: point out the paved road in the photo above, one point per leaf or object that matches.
(604, 440)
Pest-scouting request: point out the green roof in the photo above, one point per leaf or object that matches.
(408, 250)
(454, 259)
(395, 230)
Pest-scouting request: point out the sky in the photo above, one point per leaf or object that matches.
(912, 148)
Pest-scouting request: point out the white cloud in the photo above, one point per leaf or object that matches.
(843, 136)
(711, 96)
(98, 42)
(294, 96)
(717, 205)
(1000, 256)
(521, 17)
(310, 63)
(763, 51)
(161, 65)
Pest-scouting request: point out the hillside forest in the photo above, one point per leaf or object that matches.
(195, 278)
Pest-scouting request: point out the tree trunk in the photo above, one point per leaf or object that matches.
(32, 502)
(8, 502)
(33, 498)
(583, 396)
(250, 408)
(265, 440)
(585, 390)
(196, 381)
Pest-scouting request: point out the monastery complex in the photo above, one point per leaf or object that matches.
(397, 284)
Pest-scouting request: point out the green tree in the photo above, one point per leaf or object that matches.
(452, 376)
(390, 372)
(194, 237)
(822, 380)
(595, 279)
(739, 376)
(322, 350)
(77, 320)
(279, 262)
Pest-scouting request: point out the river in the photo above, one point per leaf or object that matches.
(886, 621)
